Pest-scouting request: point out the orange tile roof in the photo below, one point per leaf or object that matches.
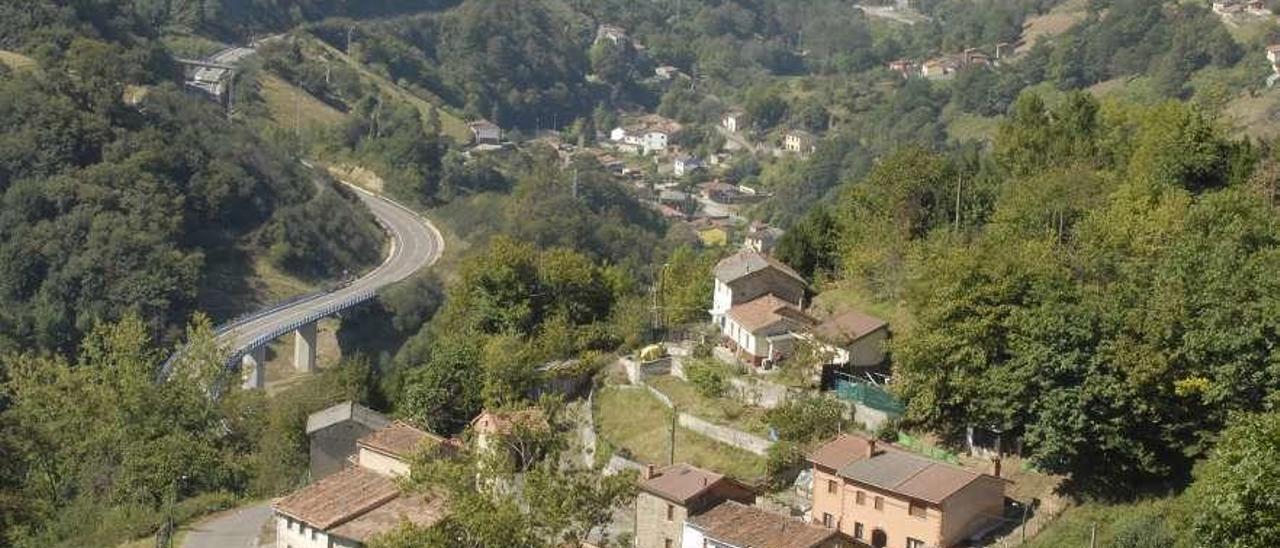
(740, 525)
(840, 452)
(681, 482)
(848, 327)
(420, 510)
(766, 311)
(338, 498)
(501, 422)
(398, 439)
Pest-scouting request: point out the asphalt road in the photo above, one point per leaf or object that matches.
(415, 244)
(237, 528)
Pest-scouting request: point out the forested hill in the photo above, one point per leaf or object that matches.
(107, 207)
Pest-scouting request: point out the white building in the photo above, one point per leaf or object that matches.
(350, 507)
(734, 120)
(685, 165)
(757, 304)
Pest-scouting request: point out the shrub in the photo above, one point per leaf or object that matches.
(783, 463)
(710, 380)
(807, 419)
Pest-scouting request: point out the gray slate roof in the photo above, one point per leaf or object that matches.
(910, 475)
(346, 411)
(748, 261)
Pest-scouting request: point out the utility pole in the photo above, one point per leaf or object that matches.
(958, 179)
(1093, 535)
(575, 183)
(350, 29)
(675, 412)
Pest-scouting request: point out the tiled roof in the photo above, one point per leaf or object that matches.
(420, 510)
(848, 327)
(910, 475)
(338, 498)
(681, 482)
(767, 311)
(740, 525)
(840, 452)
(345, 411)
(746, 262)
(501, 422)
(399, 439)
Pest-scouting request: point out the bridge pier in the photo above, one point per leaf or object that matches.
(304, 348)
(253, 367)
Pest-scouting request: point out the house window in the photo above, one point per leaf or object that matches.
(831, 486)
(857, 530)
(666, 543)
(860, 498)
(828, 520)
(879, 503)
(916, 510)
(671, 512)
(914, 543)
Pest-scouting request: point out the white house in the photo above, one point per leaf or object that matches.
(734, 120)
(764, 331)
(748, 275)
(348, 508)
(685, 165)
(651, 134)
(485, 132)
(799, 142)
(762, 237)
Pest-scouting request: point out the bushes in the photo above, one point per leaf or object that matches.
(709, 378)
(808, 419)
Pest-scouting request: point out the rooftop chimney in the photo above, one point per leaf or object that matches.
(995, 467)
(650, 472)
(871, 447)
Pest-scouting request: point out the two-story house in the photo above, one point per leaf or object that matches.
(887, 497)
(485, 132)
(670, 496)
(758, 304)
(731, 525)
(798, 141)
(349, 507)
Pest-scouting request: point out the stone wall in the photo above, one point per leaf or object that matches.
(759, 393)
(725, 434)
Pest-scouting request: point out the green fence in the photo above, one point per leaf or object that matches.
(917, 445)
(869, 395)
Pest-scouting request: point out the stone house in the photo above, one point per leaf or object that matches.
(734, 120)
(333, 433)
(732, 524)
(485, 132)
(670, 496)
(798, 141)
(887, 497)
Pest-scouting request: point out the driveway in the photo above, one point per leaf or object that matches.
(237, 528)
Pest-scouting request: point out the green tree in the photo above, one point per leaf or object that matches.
(1234, 491)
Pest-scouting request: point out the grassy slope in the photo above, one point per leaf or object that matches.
(288, 106)
(637, 421)
(718, 410)
(1057, 21)
(453, 125)
(17, 61)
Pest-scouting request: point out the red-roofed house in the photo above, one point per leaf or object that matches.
(857, 339)
(671, 495)
(888, 497)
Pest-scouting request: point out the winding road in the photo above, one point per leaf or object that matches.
(415, 244)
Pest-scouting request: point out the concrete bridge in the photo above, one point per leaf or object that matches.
(415, 244)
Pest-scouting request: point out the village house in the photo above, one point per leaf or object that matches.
(497, 429)
(798, 141)
(748, 275)
(904, 67)
(1273, 55)
(764, 331)
(942, 68)
(484, 132)
(686, 165)
(349, 507)
(666, 72)
(761, 237)
(670, 496)
(613, 33)
(651, 134)
(732, 524)
(856, 339)
(332, 434)
(734, 120)
(719, 192)
(887, 497)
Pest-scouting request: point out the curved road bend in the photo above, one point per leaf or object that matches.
(415, 244)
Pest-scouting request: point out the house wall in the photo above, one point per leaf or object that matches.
(693, 537)
(332, 446)
(870, 350)
(652, 526)
(291, 533)
(894, 519)
(655, 141)
(971, 509)
(382, 463)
